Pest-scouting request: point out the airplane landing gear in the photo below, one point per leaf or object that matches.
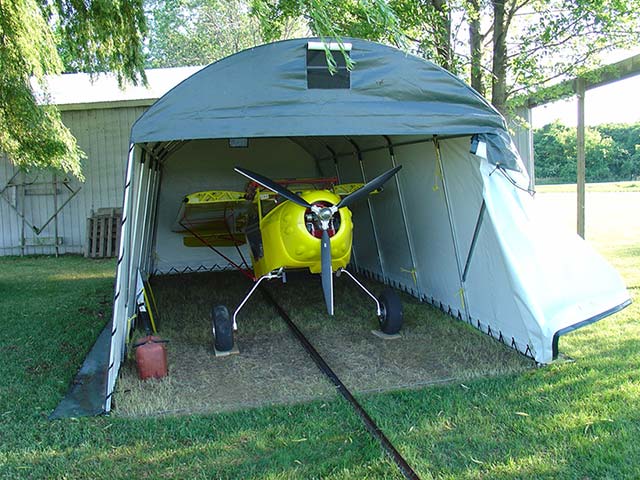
(222, 328)
(388, 306)
(390, 317)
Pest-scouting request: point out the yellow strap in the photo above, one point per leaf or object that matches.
(438, 171)
(461, 293)
(150, 310)
(436, 175)
(153, 298)
(129, 321)
(413, 274)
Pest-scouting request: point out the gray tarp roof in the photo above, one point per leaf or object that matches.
(262, 92)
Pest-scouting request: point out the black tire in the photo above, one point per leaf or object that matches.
(391, 312)
(222, 328)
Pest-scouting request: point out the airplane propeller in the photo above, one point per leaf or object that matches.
(273, 186)
(324, 215)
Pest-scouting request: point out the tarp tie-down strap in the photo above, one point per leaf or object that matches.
(411, 271)
(461, 293)
(437, 175)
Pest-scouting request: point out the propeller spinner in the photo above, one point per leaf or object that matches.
(324, 214)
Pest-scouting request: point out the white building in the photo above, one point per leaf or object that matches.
(100, 116)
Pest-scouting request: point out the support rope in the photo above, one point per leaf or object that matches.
(234, 264)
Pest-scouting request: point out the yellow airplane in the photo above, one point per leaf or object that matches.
(311, 229)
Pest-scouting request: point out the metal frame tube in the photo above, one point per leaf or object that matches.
(474, 241)
(371, 216)
(279, 274)
(404, 215)
(55, 207)
(354, 255)
(344, 270)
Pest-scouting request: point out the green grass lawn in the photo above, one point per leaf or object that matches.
(570, 420)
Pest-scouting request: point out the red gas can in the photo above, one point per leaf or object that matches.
(151, 357)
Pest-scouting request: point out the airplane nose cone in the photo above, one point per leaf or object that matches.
(325, 214)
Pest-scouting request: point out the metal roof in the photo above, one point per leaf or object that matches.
(81, 91)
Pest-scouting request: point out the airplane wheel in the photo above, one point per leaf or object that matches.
(222, 328)
(391, 315)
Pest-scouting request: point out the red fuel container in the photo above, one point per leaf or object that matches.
(151, 357)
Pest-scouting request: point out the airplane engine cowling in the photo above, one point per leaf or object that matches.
(291, 244)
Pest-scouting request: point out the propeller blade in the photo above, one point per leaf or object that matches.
(327, 273)
(273, 186)
(368, 188)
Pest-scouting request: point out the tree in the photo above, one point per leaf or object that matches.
(198, 32)
(372, 19)
(511, 46)
(610, 150)
(93, 35)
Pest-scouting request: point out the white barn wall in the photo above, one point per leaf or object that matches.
(10, 223)
(103, 134)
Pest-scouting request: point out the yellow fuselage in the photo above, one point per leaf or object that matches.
(287, 242)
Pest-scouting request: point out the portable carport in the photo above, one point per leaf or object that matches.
(455, 228)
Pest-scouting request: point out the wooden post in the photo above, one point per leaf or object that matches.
(110, 242)
(94, 236)
(580, 90)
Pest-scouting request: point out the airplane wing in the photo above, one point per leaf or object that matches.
(215, 217)
(344, 189)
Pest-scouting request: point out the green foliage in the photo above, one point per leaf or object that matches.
(93, 35)
(544, 40)
(198, 32)
(31, 135)
(612, 153)
(102, 36)
(369, 19)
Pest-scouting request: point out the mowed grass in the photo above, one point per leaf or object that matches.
(570, 420)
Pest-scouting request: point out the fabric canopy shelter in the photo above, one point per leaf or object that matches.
(456, 228)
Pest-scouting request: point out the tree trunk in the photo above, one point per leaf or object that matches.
(499, 66)
(443, 34)
(475, 44)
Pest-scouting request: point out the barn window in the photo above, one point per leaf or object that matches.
(318, 73)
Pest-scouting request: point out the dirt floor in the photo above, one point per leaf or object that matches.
(272, 367)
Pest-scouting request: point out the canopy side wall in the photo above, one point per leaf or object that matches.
(421, 180)
(391, 230)
(366, 254)
(121, 298)
(557, 278)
